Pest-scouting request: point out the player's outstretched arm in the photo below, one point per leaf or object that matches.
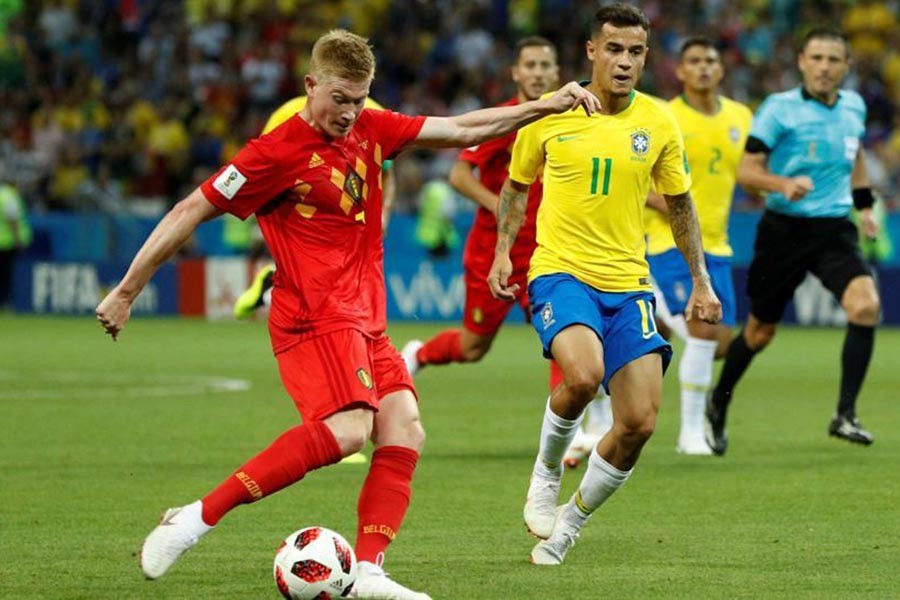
(477, 126)
(510, 215)
(462, 178)
(169, 235)
(753, 173)
(703, 302)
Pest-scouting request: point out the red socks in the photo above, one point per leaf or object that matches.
(383, 500)
(445, 347)
(556, 375)
(297, 451)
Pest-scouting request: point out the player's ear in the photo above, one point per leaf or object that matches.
(590, 50)
(309, 83)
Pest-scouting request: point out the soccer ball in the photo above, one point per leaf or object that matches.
(314, 564)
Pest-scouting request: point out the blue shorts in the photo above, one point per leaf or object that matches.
(673, 278)
(624, 321)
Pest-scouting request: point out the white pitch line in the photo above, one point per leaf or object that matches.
(98, 385)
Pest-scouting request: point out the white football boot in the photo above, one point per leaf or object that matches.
(373, 583)
(552, 551)
(179, 530)
(540, 504)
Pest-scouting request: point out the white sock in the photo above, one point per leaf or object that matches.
(192, 516)
(556, 435)
(267, 297)
(598, 414)
(600, 480)
(695, 372)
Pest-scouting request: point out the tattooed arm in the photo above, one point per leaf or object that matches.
(511, 208)
(686, 231)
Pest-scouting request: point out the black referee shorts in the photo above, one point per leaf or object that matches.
(787, 248)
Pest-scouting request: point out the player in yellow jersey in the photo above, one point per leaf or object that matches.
(260, 290)
(715, 130)
(589, 282)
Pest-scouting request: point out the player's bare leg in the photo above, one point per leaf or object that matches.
(636, 390)
(596, 422)
(579, 353)
(384, 498)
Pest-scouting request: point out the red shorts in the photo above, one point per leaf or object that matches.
(484, 314)
(341, 369)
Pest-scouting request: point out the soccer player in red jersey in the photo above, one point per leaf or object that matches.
(314, 184)
(535, 72)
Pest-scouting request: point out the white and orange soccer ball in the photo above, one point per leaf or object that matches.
(314, 563)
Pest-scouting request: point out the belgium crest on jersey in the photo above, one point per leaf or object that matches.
(353, 185)
(640, 142)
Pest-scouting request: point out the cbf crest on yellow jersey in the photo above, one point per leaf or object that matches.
(714, 144)
(597, 172)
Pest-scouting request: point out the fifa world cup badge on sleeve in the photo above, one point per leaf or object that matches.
(229, 182)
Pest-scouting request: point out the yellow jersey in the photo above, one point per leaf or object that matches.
(597, 171)
(292, 107)
(714, 144)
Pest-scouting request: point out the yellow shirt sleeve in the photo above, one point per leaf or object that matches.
(527, 154)
(671, 173)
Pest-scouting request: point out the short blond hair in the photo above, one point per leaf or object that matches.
(342, 54)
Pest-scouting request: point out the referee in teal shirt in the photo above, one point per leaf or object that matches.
(805, 150)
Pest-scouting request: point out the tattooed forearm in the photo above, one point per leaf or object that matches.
(510, 213)
(686, 231)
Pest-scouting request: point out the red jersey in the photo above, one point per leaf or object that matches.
(492, 159)
(318, 202)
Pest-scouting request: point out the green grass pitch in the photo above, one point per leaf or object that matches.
(98, 438)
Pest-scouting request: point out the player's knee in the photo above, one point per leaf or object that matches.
(351, 429)
(583, 383)
(634, 433)
(864, 310)
(415, 435)
(352, 440)
(475, 353)
(758, 338)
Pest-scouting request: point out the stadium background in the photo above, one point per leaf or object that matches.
(114, 110)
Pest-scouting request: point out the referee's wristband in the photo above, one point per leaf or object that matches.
(863, 198)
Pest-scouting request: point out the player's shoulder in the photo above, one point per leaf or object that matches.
(778, 100)
(853, 99)
(653, 111)
(735, 108)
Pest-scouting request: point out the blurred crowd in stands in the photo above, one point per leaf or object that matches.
(107, 102)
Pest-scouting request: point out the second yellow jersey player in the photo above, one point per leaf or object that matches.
(714, 145)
